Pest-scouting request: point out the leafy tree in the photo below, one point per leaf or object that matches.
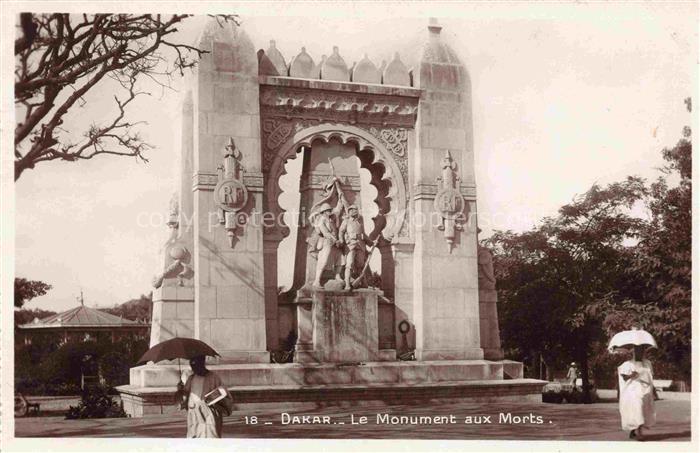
(550, 275)
(134, 309)
(662, 265)
(25, 316)
(52, 368)
(26, 290)
(594, 269)
(59, 58)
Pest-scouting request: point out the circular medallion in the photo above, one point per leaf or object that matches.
(449, 203)
(231, 195)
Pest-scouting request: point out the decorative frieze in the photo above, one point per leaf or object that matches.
(254, 182)
(345, 107)
(394, 139)
(202, 180)
(276, 131)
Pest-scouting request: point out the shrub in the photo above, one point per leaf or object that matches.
(57, 370)
(95, 402)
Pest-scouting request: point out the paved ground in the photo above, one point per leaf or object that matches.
(530, 421)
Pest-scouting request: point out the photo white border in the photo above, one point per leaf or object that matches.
(472, 10)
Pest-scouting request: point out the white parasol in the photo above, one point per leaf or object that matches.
(629, 338)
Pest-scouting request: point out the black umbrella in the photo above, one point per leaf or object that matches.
(177, 348)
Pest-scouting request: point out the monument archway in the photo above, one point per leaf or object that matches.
(382, 152)
(247, 115)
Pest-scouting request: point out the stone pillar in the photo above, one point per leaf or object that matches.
(276, 327)
(488, 314)
(229, 279)
(403, 294)
(173, 299)
(446, 302)
(387, 309)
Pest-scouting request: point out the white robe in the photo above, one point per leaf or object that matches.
(636, 395)
(202, 420)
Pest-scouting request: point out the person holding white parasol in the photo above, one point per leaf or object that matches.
(636, 382)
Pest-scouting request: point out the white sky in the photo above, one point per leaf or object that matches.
(563, 96)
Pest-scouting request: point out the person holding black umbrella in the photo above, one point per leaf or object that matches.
(203, 395)
(206, 400)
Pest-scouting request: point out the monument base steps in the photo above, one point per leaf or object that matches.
(259, 386)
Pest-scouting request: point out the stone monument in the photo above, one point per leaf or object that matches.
(245, 115)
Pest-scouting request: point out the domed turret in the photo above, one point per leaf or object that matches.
(396, 73)
(366, 72)
(231, 49)
(265, 66)
(335, 68)
(302, 66)
(440, 67)
(277, 58)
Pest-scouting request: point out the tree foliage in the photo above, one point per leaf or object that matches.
(662, 266)
(50, 368)
(25, 316)
(549, 276)
(59, 58)
(135, 309)
(598, 267)
(26, 290)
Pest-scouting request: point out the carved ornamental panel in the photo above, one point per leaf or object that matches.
(286, 111)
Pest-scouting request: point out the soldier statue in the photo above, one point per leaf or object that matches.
(352, 235)
(324, 239)
(328, 240)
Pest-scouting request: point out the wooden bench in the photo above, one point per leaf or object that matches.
(24, 408)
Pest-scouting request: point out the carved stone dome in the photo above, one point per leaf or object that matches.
(302, 66)
(335, 68)
(396, 73)
(366, 72)
(436, 50)
(277, 58)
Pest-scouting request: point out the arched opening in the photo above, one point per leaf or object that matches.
(380, 181)
(372, 202)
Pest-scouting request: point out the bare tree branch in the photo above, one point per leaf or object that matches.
(62, 57)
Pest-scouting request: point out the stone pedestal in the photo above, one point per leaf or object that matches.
(339, 326)
(263, 385)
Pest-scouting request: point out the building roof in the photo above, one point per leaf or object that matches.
(80, 317)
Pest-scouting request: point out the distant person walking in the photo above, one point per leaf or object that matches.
(636, 383)
(572, 375)
(203, 420)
